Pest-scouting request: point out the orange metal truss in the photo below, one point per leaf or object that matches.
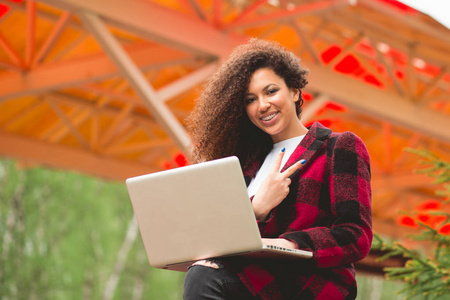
(102, 87)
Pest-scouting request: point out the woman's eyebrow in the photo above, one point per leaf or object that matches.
(268, 86)
(264, 89)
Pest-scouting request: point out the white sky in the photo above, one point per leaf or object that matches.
(438, 9)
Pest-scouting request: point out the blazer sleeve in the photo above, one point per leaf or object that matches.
(350, 237)
(263, 224)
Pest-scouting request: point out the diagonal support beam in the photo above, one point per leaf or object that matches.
(248, 10)
(186, 83)
(378, 103)
(166, 92)
(14, 56)
(58, 131)
(195, 8)
(158, 23)
(286, 14)
(418, 24)
(308, 45)
(114, 127)
(67, 122)
(51, 39)
(389, 69)
(30, 32)
(97, 67)
(313, 107)
(136, 79)
(432, 84)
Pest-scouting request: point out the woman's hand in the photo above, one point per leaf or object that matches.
(280, 243)
(274, 188)
(206, 263)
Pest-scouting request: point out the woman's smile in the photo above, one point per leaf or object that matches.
(269, 117)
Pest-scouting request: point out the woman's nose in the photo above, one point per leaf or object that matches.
(263, 103)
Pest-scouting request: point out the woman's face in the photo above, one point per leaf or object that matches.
(270, 105)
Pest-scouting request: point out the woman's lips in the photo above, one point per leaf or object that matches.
(269, 117)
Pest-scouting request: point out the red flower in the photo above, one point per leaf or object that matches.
(429, 204)
(445, 229)
(180, 159)
(431, 220)
(407, 221)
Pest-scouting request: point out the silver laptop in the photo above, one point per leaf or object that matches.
(197, 212)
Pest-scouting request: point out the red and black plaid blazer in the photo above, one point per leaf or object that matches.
(328, 211)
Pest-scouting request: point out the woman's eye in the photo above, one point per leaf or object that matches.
(249, 100)
(272, 91)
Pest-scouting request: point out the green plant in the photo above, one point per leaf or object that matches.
(425, 275)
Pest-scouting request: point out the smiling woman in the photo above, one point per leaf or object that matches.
(309, 187)
(219, 125)
(270, 106)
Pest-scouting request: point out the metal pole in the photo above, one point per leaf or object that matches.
(136, 79)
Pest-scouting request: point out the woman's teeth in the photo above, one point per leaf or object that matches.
(270, 117)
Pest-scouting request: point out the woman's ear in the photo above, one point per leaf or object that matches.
(295, 94)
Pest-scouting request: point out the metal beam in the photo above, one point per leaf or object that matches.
(30, 32)
(97, 67)
(418, 24)
(194, 8)
(83, 161)
(430, 53)
(251, 8)
(158, 23)
(365, 98)
(287, 14)
(164, 93)
(378, 103)
(86, 110)
(313, 107)
(14, 56)
(186, 83)
(51, 39)
(136, 79)
(78, 136)
(55, 76)
(138, 147)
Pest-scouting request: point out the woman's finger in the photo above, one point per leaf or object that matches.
(292, 169)
(206, 263)
(277, 163)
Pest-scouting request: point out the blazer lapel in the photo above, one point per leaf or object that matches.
(309, 147)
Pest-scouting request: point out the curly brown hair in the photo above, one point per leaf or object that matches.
(219, 126)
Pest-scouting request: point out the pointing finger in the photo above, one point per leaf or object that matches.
(294, 168)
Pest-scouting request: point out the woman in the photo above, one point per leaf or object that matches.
(309, 187)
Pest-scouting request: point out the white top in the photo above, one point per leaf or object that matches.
(290, 145)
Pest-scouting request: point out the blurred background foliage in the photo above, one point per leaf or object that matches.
(63, 236)
(69, 236)
(427, 270)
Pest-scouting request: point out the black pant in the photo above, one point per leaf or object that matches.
(203, 282)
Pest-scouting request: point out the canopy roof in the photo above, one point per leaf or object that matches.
(102, 87)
